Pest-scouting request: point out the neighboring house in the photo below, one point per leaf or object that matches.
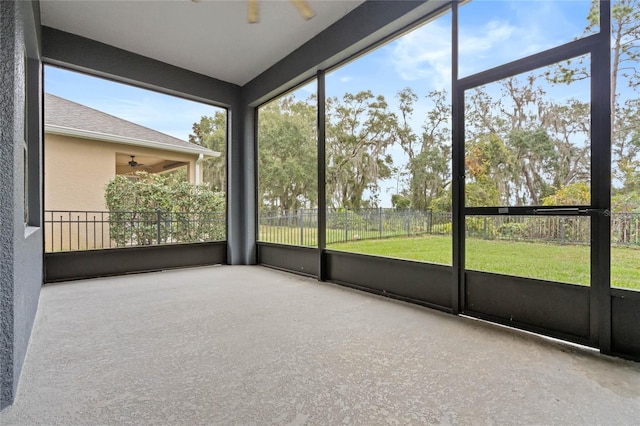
(85, 148)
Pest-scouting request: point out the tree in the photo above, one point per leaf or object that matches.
(522, 144)
(429, 155)
(488, 171)
(569, 122)
(287, 153)
(574, 194)
(400, 202)
(211, 132)
(535, 159)
(360, 128)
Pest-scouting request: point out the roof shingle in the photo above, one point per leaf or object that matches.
(64, 113)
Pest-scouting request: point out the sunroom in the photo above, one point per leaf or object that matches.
(476, 158)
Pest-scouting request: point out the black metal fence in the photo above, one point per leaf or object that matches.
(299, 227)
(552, 229)
(346, 225)
(88, 230)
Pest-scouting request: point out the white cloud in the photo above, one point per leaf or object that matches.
(485, 47)
(424, 54)
(346, 79)
(494, 33)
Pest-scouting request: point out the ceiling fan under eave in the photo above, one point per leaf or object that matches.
(135, 165)
(253, 10)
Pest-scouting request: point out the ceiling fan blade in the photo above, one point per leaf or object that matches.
(304, 9)
(253, 11)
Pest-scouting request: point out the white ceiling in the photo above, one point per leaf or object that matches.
(210, 37)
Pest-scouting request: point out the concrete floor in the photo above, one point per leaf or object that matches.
(249, 345)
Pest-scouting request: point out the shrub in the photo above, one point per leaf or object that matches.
(512, 230)
(152, 209)
(480, 227)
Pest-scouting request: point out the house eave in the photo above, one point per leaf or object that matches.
(87, 134)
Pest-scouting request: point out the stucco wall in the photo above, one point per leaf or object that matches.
(75, 173)
(77, 170)
(21, 245)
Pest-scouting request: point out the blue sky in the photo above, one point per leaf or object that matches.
(491, 33)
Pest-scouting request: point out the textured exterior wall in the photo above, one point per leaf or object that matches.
(7, 49)
(21, 254)
(77, 170)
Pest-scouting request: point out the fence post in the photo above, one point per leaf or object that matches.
(562, 230)
(301, 227)
(409, 222)
(70, 237)
(158, 226)
(380, 222)
(346, 225)
(485, 228)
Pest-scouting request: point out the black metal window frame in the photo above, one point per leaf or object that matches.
(226, 108)
(594, 45)
(444, 287)
(598, 47)
(73, 265)
(256, 146)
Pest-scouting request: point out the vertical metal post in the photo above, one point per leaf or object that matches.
(158, 235)
(484, 233)
(69, 226)
(346, 225)
(380, 233)
(457, 171)
(102, 230)
(562, 230)
(601, 109)
(53, 235)
(301, 219)
(322, 191)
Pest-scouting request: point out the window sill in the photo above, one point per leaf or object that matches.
(30, 230)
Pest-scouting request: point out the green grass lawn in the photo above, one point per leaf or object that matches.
(553, 262)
